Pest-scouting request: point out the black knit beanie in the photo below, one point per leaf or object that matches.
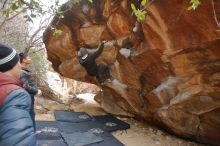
(83, 51)
(8, 58)
(22, 56)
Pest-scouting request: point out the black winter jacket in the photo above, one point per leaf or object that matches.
(89, 62)
(27, 82)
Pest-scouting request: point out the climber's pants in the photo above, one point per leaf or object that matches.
(103, 73)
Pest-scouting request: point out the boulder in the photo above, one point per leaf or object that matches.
(166, 68)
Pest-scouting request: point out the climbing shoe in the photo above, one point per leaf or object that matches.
(106, 82)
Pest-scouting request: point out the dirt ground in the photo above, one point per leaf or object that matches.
(140, 134)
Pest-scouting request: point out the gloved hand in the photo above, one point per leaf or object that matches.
(103, 42)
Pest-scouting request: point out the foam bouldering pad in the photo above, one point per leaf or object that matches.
(108, 141)
(93, 127)
(51, 143)
(80, 138)
(74, 117)
(68, 127)
(100, 132)
(47, 130)
(110, 123)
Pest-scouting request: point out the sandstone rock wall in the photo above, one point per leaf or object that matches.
(166, 68)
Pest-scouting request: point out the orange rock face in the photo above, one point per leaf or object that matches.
(166, 69)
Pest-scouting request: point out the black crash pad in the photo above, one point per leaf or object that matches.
(80, 138)
(92, 127)
(100, 132)
(110, 123)
(68, 127)
(74, 117)
(51, 143)
(47, 130)
(108, 141)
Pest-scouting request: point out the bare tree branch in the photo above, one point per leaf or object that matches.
(12, 17)
(35, 39)
(4, 4)
(2, 23)
(215, 16)
(37, 51)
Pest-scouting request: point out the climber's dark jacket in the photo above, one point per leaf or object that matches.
(16, 126)
(89, 62)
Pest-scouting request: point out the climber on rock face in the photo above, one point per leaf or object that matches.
(87, 60)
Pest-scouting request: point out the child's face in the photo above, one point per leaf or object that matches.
(27, 60)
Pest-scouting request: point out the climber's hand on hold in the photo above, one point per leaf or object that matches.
(111, 43)
(104, 42)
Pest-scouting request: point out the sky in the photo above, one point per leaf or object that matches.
(33, 26)
(47, 3)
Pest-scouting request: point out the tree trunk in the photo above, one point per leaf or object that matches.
(47, 92)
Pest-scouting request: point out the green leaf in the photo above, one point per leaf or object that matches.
(57, 32)
(5, 12)
(20, 3)
(141, 15)
(144, 2)
(57, 2)
(28, 18)
(133, 7)
(75, 1)
(194, 4)
(189, 8)
(91, 1)
(32, 15)
(36, 4)
(14, 7)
